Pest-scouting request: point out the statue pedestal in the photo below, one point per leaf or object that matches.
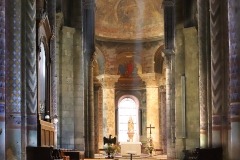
(130, 147)
(130, 136)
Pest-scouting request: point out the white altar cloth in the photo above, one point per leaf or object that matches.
(130, 147)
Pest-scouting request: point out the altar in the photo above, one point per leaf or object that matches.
(130, 147)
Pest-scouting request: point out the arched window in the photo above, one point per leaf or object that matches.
(44, 69)
(127, 108)
(42, 79)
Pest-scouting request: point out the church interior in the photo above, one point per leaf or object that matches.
(149, 77)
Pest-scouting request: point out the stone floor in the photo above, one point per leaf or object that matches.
(157, 157)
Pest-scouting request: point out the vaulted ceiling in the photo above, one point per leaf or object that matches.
(129, 19)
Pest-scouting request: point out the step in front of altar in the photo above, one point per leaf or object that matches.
(158, 157)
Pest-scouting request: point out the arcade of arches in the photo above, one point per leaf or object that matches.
(92, 64)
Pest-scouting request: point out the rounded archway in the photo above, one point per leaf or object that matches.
(128, 107)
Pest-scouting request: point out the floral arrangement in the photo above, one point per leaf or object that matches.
(149, 146)
(113, 148)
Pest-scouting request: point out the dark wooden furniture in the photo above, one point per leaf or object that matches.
(39, 153)
(74, 155)
(205, 154)
(47, 133)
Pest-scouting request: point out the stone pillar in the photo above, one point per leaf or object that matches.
(68, 112)
(13, 148)
(2, 79)
(59, 19)
(216, 70)
(152, 106)
(163, 119)
(100, 118)
(91, 112)
(96, 118)
(29, 76)
(192, 113)
(169, 37)
(234, 75)
(88, 21)
(108, 84)
(79, 73)
(203, 43)
(170, 109)
(52, 19)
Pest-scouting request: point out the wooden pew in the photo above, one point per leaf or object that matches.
(39, 153)
(206, 153)
(45, 142)
(45, 150)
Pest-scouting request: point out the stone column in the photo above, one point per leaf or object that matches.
(52, 19)
(69, 114)
(204, 51)
(152, 106)
(13, 148)
(163, 118)
(2, 79)
(96, 118)
(192, 114)
(169, 38)
(108, 84)
(100, 118)
(216, 70)
(91, 112)
(88, 47)
(58, 31)
(29, 76)
(169, 105)
(79, 73)
(234, 75)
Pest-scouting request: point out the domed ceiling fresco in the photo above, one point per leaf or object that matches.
(129, 19)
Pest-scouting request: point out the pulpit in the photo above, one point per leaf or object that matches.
(130, 147)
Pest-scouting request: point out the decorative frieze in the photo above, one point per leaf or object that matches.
(151, 79)
(108, 81)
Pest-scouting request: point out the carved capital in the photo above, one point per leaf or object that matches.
(168, 3)
(151, 79)
(89, 5)
(167, 54)
(59, 20)
(68, 30)
(108, 81)
(163, 88)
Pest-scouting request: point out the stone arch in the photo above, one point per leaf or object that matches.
(158, 61)
(123, 117)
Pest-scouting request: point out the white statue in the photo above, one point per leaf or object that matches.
(130, 125)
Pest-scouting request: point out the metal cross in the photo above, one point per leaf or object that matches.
(150, 129)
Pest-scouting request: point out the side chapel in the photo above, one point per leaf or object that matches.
(75, 71)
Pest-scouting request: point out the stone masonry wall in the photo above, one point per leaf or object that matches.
(65, 90)
(187, 64)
